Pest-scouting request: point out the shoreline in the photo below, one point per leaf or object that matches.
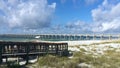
(77, 42)
(81, 42)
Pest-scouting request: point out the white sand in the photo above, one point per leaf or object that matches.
(97, 49)
(85, 44)
(82, 42)
(79, 42)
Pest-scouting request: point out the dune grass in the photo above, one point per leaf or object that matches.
(107, 41)
(111, 59)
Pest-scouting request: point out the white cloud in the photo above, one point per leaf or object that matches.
(78, 26)
(29, 15)
(26, 14)
(106, 17)
(107, 26)
(62, 1)
(53, 5)
(89, 2)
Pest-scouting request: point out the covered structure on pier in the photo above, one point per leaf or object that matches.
(26, 49)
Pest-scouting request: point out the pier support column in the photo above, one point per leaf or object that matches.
(87, 37)
(27, 53)
(0, 54)
(56, 49)
(119, 37)
(101, 37)
(94, 37)
(6, 59)
(109, 37)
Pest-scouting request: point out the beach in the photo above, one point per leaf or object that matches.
(82, 42)
(89, 54)
(85, 54)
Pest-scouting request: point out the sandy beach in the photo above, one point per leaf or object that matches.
(101, 53)
(83, 42)
(79, 42)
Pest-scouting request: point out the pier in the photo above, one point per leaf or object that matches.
(26, 49)
(61, 37)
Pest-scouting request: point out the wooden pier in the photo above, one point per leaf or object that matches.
(26, 49)
(61, 37)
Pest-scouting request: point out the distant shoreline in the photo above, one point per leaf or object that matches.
(76, 42)
(84, 42)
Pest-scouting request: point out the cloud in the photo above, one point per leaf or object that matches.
(89, 2)
(75, 24)
(34, 16)
(78, 26)
(26, 14)
(62, 1)
(106, 17)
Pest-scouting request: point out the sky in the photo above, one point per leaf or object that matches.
(59, 17)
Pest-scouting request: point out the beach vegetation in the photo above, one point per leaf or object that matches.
(110, 59)
(106, 42)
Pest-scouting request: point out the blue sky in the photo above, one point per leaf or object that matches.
(59, 16)
(72, 11)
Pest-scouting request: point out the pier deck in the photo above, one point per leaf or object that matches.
(26, 49)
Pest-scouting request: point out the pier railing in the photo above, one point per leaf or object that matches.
(59, 37)
(26, 49)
